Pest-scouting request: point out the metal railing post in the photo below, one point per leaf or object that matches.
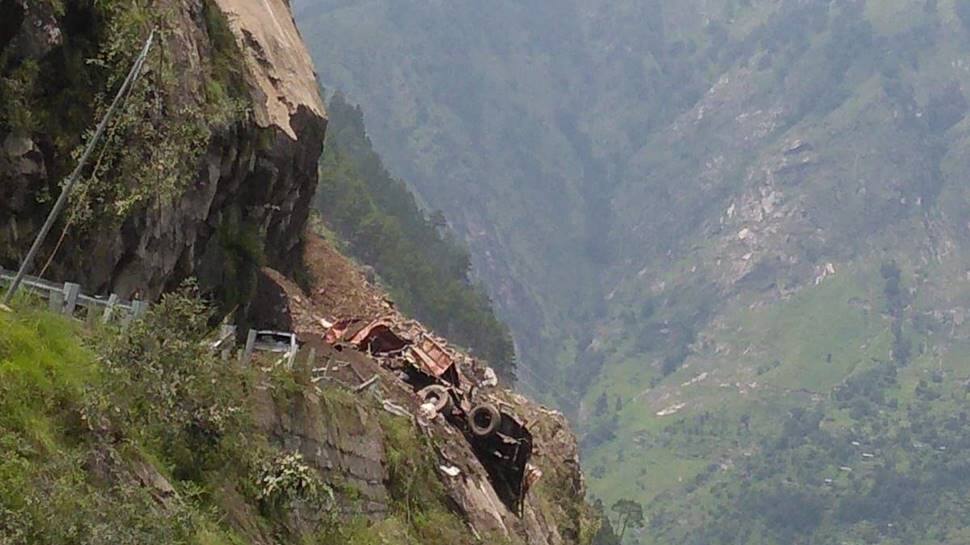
(247, 354)
(55, 301)
(71, 293)
(138, 309)
(112, 301)
(227, 331)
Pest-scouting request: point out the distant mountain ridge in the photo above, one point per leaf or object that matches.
(711, 214)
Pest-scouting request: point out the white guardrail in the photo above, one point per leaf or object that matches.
(67, 299)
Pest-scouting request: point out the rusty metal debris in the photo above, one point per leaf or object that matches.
(438, 375)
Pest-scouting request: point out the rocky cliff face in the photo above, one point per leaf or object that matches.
(209, 173)
(347, 436)
(243, 94)
(346, 440)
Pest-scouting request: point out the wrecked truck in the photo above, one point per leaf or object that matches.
(501, 442)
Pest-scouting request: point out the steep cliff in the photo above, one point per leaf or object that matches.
(146, 435)
(348, 441)
(353, 441)
(208, 171)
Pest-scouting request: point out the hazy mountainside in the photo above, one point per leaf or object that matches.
(426, 270)
(458, 102)
(742, 239)
(518, 121)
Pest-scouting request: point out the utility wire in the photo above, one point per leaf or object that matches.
(94, 174)
(76, 174)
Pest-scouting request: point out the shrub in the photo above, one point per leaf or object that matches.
(287, 480)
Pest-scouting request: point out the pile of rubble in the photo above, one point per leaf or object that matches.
(492, 444)
(453, 385)
(338, 285)
(445, 381)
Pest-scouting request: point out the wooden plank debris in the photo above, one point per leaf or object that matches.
(366, 384)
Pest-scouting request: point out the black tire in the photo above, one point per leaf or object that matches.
(438, 396)
(484, 419)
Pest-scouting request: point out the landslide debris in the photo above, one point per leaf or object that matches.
(553, 511)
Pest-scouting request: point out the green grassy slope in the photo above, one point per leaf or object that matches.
(883, 129)
(708, 471)
(144, 437)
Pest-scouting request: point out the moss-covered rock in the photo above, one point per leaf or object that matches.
(198, 145)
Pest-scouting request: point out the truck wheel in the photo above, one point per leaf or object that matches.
(438, 396)
(484, 419)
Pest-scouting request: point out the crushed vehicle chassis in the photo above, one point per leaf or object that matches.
(501, 442)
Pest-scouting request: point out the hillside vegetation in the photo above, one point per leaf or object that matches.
(731, 233)
(425, 268)
(145, 436)
(197, 201)
(162, 130)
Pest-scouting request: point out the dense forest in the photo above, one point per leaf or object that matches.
(416, 255)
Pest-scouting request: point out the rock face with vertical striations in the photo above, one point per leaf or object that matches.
(239, 82)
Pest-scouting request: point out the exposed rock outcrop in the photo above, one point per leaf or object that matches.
(280, 68)
(258, 170)
(342, 440)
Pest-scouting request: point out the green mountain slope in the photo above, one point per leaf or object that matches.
(425, 268)
(456, 110)
(763, 225)
(776, 292)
